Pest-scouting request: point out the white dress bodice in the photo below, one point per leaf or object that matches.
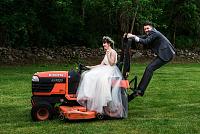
(105, 60)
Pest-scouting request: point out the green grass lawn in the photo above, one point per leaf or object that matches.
(171, 104)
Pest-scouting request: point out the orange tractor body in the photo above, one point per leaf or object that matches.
(55, 92)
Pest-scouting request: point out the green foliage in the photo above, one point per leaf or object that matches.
(62, 22)
(187, 42)
(190, 15)
(184, 42)
(149, 11)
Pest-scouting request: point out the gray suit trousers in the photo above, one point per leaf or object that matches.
(154, 65)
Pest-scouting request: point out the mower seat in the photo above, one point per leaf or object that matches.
(73, 81)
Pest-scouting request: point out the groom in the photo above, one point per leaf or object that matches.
(161, 46)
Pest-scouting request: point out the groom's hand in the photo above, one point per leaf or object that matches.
(133, 36)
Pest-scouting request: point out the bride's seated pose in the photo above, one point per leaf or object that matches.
(96, 90)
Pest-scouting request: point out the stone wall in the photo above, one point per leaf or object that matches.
(10, 56)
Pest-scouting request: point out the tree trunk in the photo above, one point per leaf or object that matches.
(174, 36)
(133, 21)
(135, 14)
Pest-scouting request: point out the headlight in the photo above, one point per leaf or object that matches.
(35, 79)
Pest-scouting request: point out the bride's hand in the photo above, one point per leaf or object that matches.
(107, 52)
(88, 67)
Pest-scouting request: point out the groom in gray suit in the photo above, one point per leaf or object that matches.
(161, 46)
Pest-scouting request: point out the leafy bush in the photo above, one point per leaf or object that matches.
(186, 42)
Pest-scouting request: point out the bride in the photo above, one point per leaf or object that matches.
(97, 91)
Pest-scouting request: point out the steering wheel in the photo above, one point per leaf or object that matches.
(82, 68)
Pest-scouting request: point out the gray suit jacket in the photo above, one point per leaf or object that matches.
(159, 44)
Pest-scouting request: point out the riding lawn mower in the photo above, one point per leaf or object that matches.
(54, 92)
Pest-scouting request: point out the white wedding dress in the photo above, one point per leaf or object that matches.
(99, 90)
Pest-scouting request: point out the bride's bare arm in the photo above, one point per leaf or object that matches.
(111, 57)
(90, 67)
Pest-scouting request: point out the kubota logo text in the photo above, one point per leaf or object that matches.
(56, 75)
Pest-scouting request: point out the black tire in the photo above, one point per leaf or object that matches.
(41, 112)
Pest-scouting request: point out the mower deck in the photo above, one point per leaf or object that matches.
(75, 113)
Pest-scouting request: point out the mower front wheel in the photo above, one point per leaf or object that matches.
(41, 112)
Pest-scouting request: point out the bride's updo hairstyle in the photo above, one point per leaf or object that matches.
(107, 39)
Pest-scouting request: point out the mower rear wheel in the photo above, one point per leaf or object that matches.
(41, 112)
